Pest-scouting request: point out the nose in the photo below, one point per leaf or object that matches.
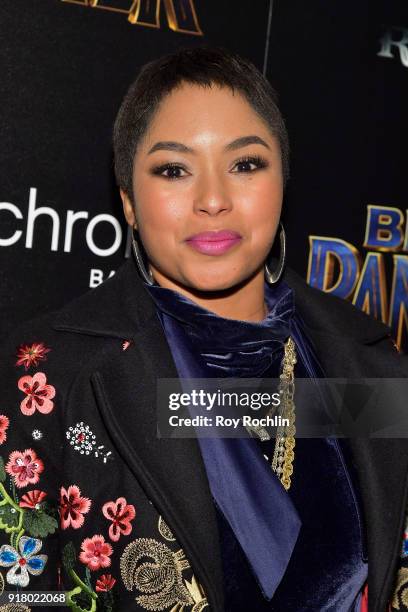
(212, 197)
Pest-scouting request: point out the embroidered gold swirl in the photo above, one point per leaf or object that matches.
(165, 530)
(197, 593)
(401, 592)
(161, 581)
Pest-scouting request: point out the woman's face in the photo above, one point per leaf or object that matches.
(207, 163)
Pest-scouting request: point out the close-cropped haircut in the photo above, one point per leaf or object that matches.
(203, 66)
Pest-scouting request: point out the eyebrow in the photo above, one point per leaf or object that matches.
(238, 143)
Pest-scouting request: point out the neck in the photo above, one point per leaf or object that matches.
(244, 302)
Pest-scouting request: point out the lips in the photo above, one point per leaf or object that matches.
(215, 236)
(214, 242)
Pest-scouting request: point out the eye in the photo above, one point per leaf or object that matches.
(173, 171)
(244, 164)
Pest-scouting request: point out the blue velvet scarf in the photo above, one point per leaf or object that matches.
(230, 347)
(296, 550)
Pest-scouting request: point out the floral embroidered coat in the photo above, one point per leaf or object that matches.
(94, 504)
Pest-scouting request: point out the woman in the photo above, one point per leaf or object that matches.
(93, 501)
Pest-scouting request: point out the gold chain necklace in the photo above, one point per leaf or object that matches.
(284, 454)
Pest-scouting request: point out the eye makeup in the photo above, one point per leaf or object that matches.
(172, 167)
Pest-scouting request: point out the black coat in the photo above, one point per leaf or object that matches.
(107, 349)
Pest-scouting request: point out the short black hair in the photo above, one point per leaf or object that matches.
(205, 66)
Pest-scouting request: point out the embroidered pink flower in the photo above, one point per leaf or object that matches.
(31, 354)
(121, 514)
(96, 552)
(4, 423)
(73, 507)
(24, 467)
(32, 499)
(105, 582)
(39, 394)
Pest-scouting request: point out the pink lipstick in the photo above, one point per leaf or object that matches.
(214, 242)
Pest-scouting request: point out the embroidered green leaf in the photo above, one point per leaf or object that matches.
(9, 518)
(80, 601)
(11, 515)
(50, 509)
(3, 474)
(88, 578)
(39, 524)
(81, 598)
(14, 492)
(69, 557)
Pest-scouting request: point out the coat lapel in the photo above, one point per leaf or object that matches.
(172, 472)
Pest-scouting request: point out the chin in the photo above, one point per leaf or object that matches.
(211, 282)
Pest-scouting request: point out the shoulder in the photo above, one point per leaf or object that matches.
(349, 342)
(36, 353)
(70, 341)
(74, 323)
(335, 315)
(36, 341)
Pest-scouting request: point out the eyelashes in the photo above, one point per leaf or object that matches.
(258, 161)
(173, 167)
(159, 170)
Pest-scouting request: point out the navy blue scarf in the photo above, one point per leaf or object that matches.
(230, 347)
(252, 506)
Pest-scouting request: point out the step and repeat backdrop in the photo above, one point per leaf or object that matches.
(341, 71)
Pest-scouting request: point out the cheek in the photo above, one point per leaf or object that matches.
(262, 190)
(261, 204)
(158, 208)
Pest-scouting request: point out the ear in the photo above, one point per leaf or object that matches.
(128, 208)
